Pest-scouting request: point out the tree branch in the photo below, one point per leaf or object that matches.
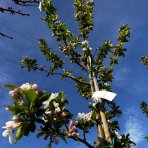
(83, 141)
(76, 61)
(12, 11)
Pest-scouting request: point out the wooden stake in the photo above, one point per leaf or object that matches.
(102, 114)
(99, 126)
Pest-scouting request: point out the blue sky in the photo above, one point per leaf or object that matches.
(130, 77)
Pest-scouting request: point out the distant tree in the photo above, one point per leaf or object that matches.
(32, 106)
(144, 105)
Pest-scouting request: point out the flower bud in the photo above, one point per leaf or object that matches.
(63, 114)
(35, 86)
(56, 141)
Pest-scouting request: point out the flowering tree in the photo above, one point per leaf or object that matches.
(32, 106)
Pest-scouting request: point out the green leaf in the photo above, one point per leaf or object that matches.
(10, 86)
(18, 134)
(32, 127)
(30, 96)
(38, 135)
(63, 137)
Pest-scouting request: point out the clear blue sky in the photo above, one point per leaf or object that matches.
(131, 77)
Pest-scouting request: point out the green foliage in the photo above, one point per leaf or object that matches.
(145, 61)
(29, 63)
(50, 56)
(30, 96)
(144, 107)
(83, 88)
(84, 16)
(10, 86)
(146, 138)
(126, 142)
(28, 109)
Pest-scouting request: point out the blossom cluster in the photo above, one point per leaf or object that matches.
(10, 127)
(55, 108)
(16, 92)
(72, 130)
(85, 45)
(84, 117)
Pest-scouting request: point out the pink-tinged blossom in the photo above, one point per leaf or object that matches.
(35, 86)
(72, 131)
(14, 93)
(25, 86)
(57, 109)
(71, 123)
(63, 114)
(56, 141)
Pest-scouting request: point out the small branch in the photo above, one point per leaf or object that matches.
(94, 54)
(72, 77)
(60, 74)
(4, 35)
(83, 141)
(26, 2)
(84, 135)
(76, 61)
(12, 11)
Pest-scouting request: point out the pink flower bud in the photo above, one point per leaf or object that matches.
(14, 93)
(71, 123)
(35, 86)
(78, 134)
(63, 114)
(56, 141)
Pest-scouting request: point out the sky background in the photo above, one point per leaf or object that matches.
(130, 77)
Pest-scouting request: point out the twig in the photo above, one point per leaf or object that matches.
(12, 11)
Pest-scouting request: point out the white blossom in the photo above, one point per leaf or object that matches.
(53, 96)
(55, 104)
(119, 137)
(25, 86)
(12, 124)
(57, 109)
(48, 112)
(85, 42)
(8, 132)
(84, 49)
(40, 5)
(45, 120)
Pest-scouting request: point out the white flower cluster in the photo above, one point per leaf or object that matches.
(84, 117)
(24, 87)
(85, 45)
(9, 127)
(28, 86)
